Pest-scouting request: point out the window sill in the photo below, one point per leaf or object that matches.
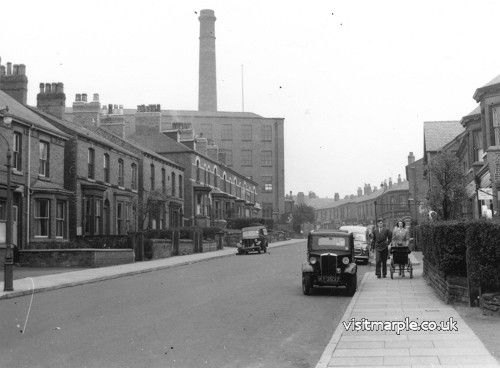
(134, 191)
(41, 236)
(91, 180)
(122, 188)
(43, 177)
(17, 172)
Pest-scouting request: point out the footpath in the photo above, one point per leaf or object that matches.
(57, 279)
(402, 300)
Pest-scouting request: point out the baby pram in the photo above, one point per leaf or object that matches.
(400, 257)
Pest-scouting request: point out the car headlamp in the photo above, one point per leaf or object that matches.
(313, 260)
(345, 260)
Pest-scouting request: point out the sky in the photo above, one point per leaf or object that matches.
(354, 80)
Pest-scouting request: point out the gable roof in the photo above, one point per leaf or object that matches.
(136, 146)
(439, 133)
(82, 131)
(162, 144)
(481, 90)
(23, 113)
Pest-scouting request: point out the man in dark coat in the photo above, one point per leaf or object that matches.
(381, 239)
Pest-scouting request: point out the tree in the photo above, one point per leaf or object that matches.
(302, 214)
(150, 206)
(447, 191)
(312, 195)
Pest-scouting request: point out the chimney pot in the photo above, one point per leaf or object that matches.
(84, 97)
(60, 88)
(22, 69)
(48, 88)
(96, 97)
(9, 68)
(78, 97)
(15, 69)
(2, 69)
(54, 87)
(42, 88)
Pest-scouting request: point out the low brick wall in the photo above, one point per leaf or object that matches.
(159, 248)
(490, 303)
(450, 289)
(75, 257)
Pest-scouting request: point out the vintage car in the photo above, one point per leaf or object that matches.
(253, 238)
(330, 261)
(361, 242)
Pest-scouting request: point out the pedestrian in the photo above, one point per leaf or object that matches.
(400, 238)
(382, 237)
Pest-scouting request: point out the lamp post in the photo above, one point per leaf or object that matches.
(9, 259)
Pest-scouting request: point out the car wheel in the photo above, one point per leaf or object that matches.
(306, 284)
(352, 284)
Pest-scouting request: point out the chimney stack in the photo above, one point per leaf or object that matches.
(84, 112)
(390, 182)
(411, 158)
(336, 197)
(399, 179)
(207, 84)
(52, 99)
(360, 192)
(14, 82)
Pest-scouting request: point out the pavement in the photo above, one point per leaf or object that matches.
(395, 300)
(55, 279)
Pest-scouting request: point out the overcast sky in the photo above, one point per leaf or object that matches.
(354, 80)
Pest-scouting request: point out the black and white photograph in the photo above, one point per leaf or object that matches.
(249, 184)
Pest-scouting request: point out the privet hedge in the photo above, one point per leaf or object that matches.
(462, 248)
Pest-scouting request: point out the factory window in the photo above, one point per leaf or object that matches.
(227, 132)
(266, 158)
(267, 133)
(267, 184)
(246, 132)
(246, 158)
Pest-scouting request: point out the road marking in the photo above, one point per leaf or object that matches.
(328, 352)
(29, 308)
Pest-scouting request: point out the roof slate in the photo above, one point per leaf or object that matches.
(23, 112)
(439, 133)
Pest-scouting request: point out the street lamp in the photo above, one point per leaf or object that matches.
(9, 259)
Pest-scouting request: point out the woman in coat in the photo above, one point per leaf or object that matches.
(400, 238)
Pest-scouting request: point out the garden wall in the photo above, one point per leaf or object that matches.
(75, 257)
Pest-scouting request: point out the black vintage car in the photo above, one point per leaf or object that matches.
(253, 239)
(330, 261)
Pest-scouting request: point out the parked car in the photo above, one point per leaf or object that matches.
(361, 242)
(330, 261)
(253, 238)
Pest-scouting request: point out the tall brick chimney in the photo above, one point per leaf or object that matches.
(14, 82)
(207, 87)
(51, 100)
(84, 112)
(411, 158)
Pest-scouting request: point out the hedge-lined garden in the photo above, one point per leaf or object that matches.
(470, 249)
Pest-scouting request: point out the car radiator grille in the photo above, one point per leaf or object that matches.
(328, 264)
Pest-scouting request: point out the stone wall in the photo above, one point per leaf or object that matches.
(449, 289)
(75, 257)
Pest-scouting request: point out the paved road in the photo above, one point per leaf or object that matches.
(240, 311)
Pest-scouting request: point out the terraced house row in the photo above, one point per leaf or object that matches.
(475, 140)
(84, 174)
(390, 201)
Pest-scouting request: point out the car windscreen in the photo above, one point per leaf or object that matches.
(329, 242)
(250, 234)
(359, 237)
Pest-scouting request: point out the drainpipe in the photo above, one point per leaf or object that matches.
(28, 189)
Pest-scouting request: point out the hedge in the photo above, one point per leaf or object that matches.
(185, 233)
(460, 248)
(239, 223)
